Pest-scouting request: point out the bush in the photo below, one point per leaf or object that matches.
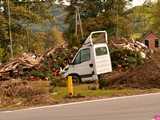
(58, 82)
(125, 58)
(103, 83)
(53, 80)
(39, 74)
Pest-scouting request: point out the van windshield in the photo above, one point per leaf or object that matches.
(82, 56)
(101, 51)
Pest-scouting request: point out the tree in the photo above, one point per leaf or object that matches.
(145, 18)
(156, 18)
(106, 15)
(2, 54)
(23, 15)
(3, 31)
(4, 38)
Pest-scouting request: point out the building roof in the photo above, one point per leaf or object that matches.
(151, 36)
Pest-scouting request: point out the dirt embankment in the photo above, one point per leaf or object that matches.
(143, 76)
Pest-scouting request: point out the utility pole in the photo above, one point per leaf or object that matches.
(27, 32)
(78, 23)
(9, 26)
(76, 20)
(117, 31)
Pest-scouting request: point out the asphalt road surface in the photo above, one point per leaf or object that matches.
(143, 107)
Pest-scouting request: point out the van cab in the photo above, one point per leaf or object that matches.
(91, 60)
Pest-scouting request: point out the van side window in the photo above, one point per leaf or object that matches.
(101, 51)
(82, 56)
(85, 55)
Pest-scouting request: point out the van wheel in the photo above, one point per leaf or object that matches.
(76, 79)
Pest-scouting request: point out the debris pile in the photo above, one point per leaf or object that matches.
(123, 52)
(126, 54)
(16, 66)
(130, 45)
(143, 76)
(26, 60)
(51, 60)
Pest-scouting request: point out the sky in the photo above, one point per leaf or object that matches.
(138, 2)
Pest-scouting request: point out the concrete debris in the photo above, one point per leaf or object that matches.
(133, 46)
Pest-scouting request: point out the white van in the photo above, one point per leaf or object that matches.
(92, 59)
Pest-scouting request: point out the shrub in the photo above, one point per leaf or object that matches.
(125, 58)
(103, 83)
(39, 74)
(53, 80)
(57, 82)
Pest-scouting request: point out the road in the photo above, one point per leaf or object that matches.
(142, 107)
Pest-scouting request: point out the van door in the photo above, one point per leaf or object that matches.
(102, 59)
(82, 64)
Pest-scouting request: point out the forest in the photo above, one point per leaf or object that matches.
(40, 25)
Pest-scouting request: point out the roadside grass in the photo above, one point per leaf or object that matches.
(83, 90)
(19, 94)
(59, 95)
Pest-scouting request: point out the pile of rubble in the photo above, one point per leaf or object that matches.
(58, 57)
(143, 76)
(130, 45)
(15, 66)
(51, 60)
(26, 60)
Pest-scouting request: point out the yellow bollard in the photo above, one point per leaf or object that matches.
(70, 86)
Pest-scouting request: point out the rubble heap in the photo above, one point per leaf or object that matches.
(130, 45)
(51, 60)
(143, 76)
(26, 60)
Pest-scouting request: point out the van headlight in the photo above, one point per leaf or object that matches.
(64, 72)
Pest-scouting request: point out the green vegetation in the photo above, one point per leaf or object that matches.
(108, 15)
(111, 15)
(126, 58)
(23, 16)
(114, 17)
(144, 19)
(83, 90)
(20, 94)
